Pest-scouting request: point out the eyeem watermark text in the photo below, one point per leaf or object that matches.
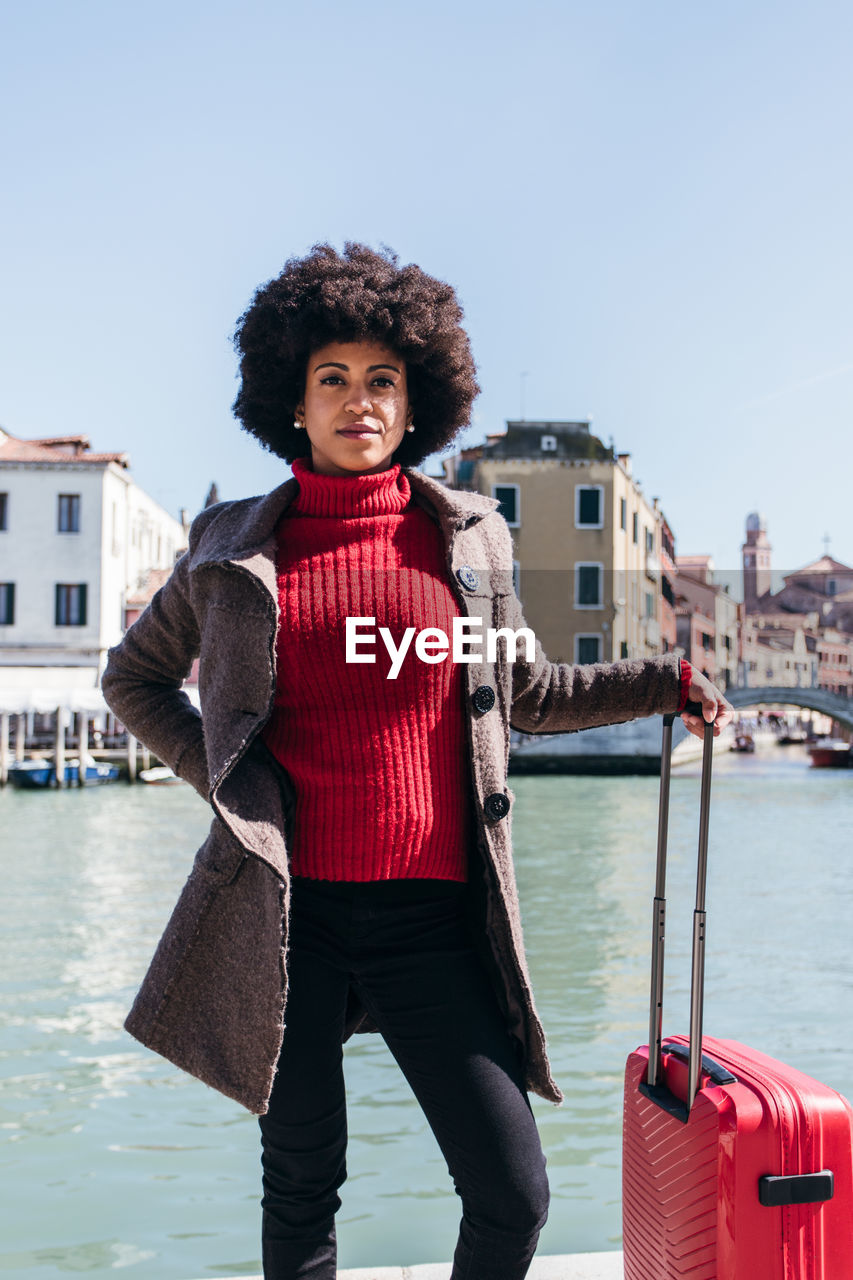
(433, 645)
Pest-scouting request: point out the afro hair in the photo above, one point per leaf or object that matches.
(351, 297)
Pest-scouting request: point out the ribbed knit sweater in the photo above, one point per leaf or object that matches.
(379, 766)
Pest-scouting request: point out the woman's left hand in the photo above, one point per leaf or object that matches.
(715, 707)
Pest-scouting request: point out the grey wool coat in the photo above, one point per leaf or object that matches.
(214, 998)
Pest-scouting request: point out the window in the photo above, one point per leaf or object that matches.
(650, 604)
(589, 586)
(831, 587)
(623, 648)
(69, 513)
(589, 506)
(7, 604)
(70, 604)
(635, 528)
(623, 514)
(4, 508)
(667, 591)
(587, 648)
(707, 641)
(510, 508)
(650, 542)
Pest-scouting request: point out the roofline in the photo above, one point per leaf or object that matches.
(65, 464)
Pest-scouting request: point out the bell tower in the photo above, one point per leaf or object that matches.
(756, 561)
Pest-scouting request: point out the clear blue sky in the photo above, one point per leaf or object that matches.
(646, 208)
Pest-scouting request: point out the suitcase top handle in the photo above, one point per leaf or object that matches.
(697, 982)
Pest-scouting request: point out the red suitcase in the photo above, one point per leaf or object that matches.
(735, 1166)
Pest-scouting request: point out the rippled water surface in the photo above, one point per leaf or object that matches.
(110, 1159)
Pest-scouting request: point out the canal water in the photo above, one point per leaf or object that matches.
(114, 1161)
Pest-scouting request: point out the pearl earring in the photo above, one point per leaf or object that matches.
(410, 427)
(300, 426)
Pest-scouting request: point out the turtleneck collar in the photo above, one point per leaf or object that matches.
(382, 493)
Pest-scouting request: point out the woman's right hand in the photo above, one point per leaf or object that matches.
(716, 708)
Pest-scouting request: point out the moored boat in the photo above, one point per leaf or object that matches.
(35, 774)
(160, 776)
(629, 748)
(830, 753)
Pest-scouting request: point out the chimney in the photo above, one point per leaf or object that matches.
(625, 459)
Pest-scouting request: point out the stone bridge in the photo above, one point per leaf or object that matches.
(828, 704)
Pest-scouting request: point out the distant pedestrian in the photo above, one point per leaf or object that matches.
(358, 873)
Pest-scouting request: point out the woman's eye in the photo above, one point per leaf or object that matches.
(382, 381)
(330, 379)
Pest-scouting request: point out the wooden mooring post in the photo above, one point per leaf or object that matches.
(131, 757)
(59, 748)
(82, 746)
(4, 748)
(20, 736)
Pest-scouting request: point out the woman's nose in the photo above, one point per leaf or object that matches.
(359, 399)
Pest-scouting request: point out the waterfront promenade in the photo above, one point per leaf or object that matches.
(569, 1266)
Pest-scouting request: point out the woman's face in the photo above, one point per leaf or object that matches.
(356, 407)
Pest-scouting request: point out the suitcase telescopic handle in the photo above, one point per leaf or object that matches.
(697, 981)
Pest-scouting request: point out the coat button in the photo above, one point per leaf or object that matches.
(483, 697)
(496, 806)
(468, 577)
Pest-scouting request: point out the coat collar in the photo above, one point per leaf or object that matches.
(243, 533)
(453, 508)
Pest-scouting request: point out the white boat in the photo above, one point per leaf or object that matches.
(633, 747)
(160, 776)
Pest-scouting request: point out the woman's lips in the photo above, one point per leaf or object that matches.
(358, 433)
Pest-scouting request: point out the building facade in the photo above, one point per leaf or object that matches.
(77, 535)
(587, 542)
(708, 620)
(809, 622)
(668, 580)
(835, 662)
(776, 654)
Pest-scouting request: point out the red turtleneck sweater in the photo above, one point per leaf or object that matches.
(379, 766)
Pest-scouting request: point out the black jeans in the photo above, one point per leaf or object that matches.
(405, 948)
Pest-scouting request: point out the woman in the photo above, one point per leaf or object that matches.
(358, 872)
